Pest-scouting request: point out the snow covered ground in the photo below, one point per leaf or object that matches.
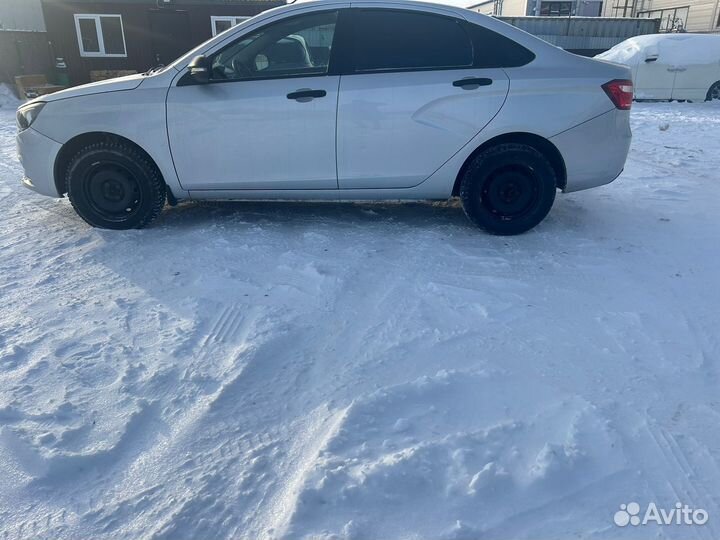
(378, 371)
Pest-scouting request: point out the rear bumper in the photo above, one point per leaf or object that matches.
(37, 154)
(595, 151)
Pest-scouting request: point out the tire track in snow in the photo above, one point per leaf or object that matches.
(679, 476)
(221, 348)
(277, 510)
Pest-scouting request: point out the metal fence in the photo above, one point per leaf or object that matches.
(584, 33)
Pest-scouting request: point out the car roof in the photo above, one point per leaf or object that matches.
(535, 44)
(432, 6)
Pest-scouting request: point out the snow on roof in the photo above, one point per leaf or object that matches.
(671, 48)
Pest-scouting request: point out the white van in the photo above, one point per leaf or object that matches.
(671, 66)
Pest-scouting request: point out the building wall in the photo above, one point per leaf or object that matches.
(514, 8)
(486, 8)
(689, 15)
(141, 40)
(521, 8)
(23, 15)
(23, 53)
(23, 41)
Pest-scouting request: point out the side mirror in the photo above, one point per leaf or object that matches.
(199, 69)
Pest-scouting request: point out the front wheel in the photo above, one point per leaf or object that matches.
(113, 185)
(508, 189)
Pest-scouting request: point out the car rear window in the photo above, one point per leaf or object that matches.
(493, 50)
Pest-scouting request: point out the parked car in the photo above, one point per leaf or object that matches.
(338, 101)
(671, 66)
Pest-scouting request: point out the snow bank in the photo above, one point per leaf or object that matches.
(7, 97)
(672, 49)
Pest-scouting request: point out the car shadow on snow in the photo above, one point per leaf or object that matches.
(273, 213)
(568, 214)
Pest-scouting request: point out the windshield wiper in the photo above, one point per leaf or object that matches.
(154, 69)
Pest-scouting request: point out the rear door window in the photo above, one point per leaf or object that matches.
(393, 40)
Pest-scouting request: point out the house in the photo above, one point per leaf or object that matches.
(119, 36)
(24, 47)
(674, 15)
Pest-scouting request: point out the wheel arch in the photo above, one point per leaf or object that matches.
(541, 144)
(74, 145)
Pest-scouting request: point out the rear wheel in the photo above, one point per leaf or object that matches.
(508, 189)
(714, 92)
(113, 185)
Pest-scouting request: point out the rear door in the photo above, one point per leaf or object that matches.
(413, 96)
(697, 66)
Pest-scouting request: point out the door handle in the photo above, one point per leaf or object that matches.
(471, 83)
(305, 94)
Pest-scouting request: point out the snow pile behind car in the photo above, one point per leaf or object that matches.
(7, 97)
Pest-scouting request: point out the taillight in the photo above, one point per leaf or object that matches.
(620, 92)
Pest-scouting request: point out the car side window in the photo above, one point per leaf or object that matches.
(294, 47)
(391, 40)
(493, 50)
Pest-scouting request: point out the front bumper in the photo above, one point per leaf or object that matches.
(37, 154)
(595, 151)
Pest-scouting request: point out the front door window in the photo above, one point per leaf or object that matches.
(295, 47)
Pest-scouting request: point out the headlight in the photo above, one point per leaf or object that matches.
(27, 114)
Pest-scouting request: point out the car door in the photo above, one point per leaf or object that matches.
(267, 117)
(655, 76)
(697, 66)
(412, 96)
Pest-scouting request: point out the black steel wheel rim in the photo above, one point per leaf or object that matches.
(112, 191)
(510, 192)
(715, 92)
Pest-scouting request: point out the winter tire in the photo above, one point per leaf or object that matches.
(508, 189)
(113, 185)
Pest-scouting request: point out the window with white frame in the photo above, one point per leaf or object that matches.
(220, 23)
(100, 35)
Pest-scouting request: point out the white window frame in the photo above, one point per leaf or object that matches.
(101, 41)
(233, 20)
